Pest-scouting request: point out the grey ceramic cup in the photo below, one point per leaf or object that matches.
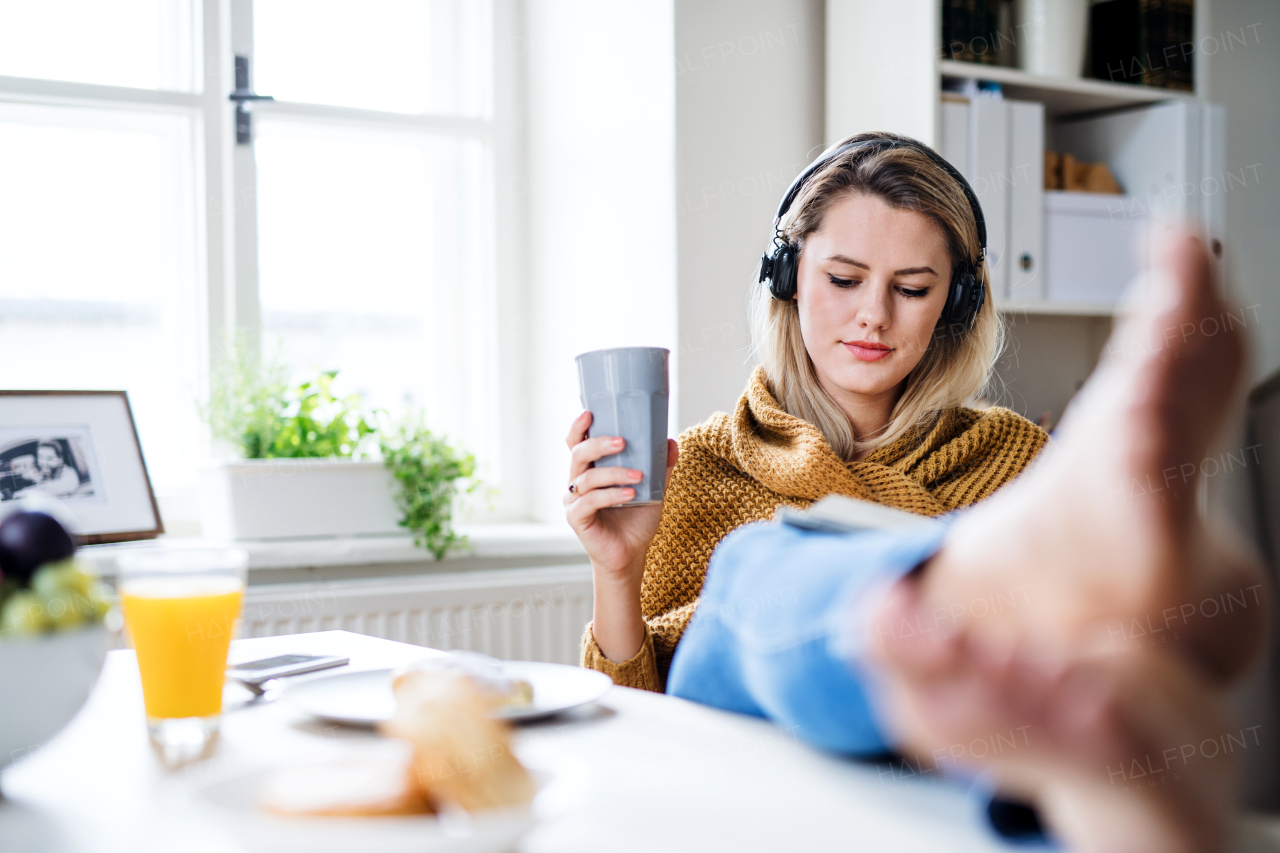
(626, 391)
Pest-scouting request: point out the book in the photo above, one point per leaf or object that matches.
(957, 23)
(1166, 41)
(840, 514)
(977, 31)
(1114, 45)
(1151, 36)
(1143, 42)
(1181, 34)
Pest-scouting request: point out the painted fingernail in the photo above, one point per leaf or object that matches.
(617, 442)
(634, 475)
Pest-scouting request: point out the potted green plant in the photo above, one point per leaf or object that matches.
(312, 464)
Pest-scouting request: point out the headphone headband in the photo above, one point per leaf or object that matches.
(886, 143)
(966, 293)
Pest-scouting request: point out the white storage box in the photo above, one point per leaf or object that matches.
(292, 498)
(1090, 245)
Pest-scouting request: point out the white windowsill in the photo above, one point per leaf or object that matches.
(485, 542)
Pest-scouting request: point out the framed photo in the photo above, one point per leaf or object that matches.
(82, 448)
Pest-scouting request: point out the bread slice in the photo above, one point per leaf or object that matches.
(347, 787)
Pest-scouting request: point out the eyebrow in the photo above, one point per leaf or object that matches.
(908, 271)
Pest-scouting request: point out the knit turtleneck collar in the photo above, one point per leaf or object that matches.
(791, 457)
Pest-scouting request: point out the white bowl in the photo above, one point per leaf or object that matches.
(43, 682)
(228, 802)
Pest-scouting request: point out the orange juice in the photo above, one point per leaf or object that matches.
(181, 628)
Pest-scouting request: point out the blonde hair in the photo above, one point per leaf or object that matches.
(958, 362)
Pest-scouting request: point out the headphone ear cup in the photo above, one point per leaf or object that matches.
(960, 299)
(782, 281)
(766, 268)
(978, 298)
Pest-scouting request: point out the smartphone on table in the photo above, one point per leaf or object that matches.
(281, 666)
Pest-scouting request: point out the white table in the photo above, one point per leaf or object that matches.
(645, 772)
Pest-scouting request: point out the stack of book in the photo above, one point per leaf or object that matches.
(1144, 42)
(978, 31)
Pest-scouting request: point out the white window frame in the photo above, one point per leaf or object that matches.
(227, 215)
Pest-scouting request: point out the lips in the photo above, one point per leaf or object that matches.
(867, 350)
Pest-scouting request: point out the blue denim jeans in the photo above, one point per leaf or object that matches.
(780, 633)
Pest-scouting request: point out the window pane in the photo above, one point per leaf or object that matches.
(408, 56)
(144, 44)
(98, 266)
(373, 255)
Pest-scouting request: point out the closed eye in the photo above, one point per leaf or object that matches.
(913, 292)
(841, 282)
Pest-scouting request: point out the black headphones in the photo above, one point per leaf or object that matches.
(967, 294)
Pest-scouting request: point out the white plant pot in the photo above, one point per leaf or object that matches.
(296, 498)
(1051, 39)
(43, 682)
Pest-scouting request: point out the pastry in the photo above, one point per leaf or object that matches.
(498, 688)
(462, 756)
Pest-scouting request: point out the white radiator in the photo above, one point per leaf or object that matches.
(514, 614)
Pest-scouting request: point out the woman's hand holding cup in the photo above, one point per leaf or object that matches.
(615, 539)
(615, 508)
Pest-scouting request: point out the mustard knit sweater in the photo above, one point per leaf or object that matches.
(740, 468)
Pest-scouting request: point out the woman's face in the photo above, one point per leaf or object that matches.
(871, 286)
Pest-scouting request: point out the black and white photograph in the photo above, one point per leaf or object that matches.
(53, 461)
(81, 449)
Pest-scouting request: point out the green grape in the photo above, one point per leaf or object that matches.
(67, 592)
(84, 577)
(101, 597)
(65, 611)
(46, 581)
(22, 615)
(68, 575)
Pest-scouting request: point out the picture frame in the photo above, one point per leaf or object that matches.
(81, 448)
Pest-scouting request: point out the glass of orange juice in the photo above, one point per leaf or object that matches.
(181, 608)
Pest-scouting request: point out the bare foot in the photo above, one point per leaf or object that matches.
(1104, 528)
(1130, 754)
(1048, 582)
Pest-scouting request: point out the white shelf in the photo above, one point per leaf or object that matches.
(1061, 95)
(1060, 309)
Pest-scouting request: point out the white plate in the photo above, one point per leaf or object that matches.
(365, 698)
(227, 801)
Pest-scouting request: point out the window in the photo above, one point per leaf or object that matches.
(100, 221)
(357, 231)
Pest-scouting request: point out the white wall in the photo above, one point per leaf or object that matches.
(749, 116)
(600, 184)
(1246, 80)
(891, 57)
(659, 137)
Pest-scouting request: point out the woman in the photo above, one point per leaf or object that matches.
(871, 335)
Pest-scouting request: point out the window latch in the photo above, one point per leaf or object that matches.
(243, 95)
